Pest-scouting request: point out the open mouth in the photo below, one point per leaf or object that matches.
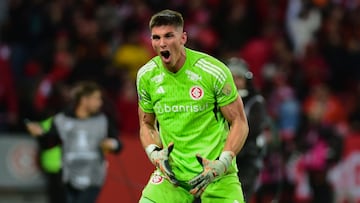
(165, 54)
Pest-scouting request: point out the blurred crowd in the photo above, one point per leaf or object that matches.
(304, 54)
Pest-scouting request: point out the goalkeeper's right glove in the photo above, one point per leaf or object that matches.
(211, 170)
(160, 158)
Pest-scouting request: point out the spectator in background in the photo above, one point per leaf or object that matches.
(284, 108)
(344, 176)
(9, 109)
(321, 106)
(249, 160)
(86, 135)
(303, 20)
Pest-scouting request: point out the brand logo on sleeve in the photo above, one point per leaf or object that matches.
(196, 92)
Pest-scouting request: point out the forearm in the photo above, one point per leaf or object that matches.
(149, 135)
(237, 136)
(239, 128)
(34, 128)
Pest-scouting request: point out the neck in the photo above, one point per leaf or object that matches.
(81, 113)
(179, 63)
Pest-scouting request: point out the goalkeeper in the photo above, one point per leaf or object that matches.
(187, 101)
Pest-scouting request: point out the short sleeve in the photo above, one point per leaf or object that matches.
(225, 89)
(142, 87)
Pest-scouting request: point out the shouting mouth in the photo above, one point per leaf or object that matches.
(165, 55)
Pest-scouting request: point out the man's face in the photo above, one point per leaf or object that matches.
(168, 42)
(240, 82)
(93, 102)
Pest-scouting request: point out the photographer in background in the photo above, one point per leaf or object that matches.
(249, 160)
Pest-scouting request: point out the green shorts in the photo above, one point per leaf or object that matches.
(226, 189)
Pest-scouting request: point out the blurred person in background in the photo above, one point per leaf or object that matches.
(249, 160)
(303, 20)
(86, 135)
(344, 176)
(323, 107)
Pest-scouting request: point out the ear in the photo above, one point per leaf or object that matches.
(183, 38)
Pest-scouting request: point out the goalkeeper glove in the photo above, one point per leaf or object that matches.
(160, 158)
(211, 170)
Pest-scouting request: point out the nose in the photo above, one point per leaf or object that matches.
(162, 43)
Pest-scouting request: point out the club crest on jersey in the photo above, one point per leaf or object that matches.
(157, 179)
(196, 92)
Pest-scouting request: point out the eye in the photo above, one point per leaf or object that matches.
(155, 37)
(169, 35)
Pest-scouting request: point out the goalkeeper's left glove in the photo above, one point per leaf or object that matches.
(211, 170)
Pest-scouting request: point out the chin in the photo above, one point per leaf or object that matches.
(167, 62)
(94, 112)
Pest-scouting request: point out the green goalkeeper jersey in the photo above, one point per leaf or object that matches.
(187, 107)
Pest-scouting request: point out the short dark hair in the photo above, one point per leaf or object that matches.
(83, 89)
(166, 17)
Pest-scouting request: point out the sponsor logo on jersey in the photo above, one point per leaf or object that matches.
(160, 109)
(192, 76)
(196, 92)
(157, 179)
